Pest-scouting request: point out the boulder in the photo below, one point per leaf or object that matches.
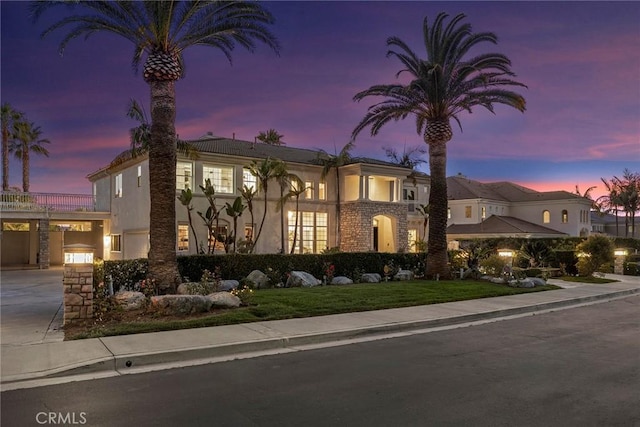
(524, 283)
(341, 280)
(371, 278)
(181, 304)
(538, 281)
(227, 285)
(182, 289)
(403, 275)
(259, 279)
(129, 300)
(224, 299)
(302, 279)
(499, 280)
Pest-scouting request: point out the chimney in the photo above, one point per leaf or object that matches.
(234, 136)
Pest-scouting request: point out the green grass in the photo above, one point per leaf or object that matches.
(590, 279)
(275, 304)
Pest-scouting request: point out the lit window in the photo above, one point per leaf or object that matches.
(322, 192)
(220, 236)
(565, 217)
(116, 243)
(221, 178)
(311, 236)
(184, 175)
(546, 217)
(248, 232)
(413, 237)
(248, 180)
(484, 212)
(308, 193)
(183, 237)
(15, 226)
(467, 211)
(139, 176)
(118, 186)
(448, 213)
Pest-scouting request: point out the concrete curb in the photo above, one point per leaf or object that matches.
(114, 362)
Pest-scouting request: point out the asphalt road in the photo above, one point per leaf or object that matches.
(577, 367)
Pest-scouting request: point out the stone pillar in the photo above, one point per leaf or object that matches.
(618, 265)
(78, 292)
(44, 256)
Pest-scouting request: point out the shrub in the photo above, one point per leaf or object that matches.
(632, 268)
(493, 265)
(125, 274)
(597, 250)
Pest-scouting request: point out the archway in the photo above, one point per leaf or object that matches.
(384, 234)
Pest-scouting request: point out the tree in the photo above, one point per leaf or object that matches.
(211, 216)
(10, 118)
(248, 194)
(611, 201)
(335, 161)
(235, 211)
(587, 195)
(410, 158)
(296, 189)
(264, 172)
(271, 137)
(628, 196)
(594, 252)
(442, 86)
(27, 140)
(163, 30)
(284, 180)
(185, 198)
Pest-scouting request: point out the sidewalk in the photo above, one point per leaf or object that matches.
(109, 356)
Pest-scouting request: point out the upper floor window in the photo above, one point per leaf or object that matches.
(248, 180)
(322, 191)
(546, 217)
(139, 176)
(221, 178)
(483, 212)
(565, 216)
(116, 243)
(467, 211)
(184, 175)
(118, 186)
(308, 192)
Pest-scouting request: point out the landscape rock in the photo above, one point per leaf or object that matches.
(341, 280)
(499, 280)
(302, 279)
(259, 279)
(371, 278)
(129, 300)
(538, 281)
(524, 283)
(227, 285)
(403, 275)
(224, 299)
(181, 304)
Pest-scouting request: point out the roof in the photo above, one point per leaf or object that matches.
(461, 188)
(508, 225)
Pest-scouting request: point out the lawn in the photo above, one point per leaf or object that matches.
(275, 304)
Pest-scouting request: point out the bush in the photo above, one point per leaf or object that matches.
(126, 273)
(597, 250)
(493, 265)
(632, 268)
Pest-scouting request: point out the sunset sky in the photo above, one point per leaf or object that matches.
(580, 61)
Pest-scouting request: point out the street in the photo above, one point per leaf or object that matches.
(575, 367)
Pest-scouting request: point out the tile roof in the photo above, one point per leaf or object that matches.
(502, 225)
(460, 188)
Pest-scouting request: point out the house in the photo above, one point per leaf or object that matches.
(377, 201)
(505, 209)
(608, 224)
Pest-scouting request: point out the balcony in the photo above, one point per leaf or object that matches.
(46, 202)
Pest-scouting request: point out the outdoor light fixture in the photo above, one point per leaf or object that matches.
(621, 252)
(78, 254)
(505, 252)
(107, 241)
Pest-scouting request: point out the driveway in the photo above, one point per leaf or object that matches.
(31, 306)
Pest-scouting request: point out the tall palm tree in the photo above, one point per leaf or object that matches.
(28, 139)
(443, 85)
(629, 198)
(264, 172)
(335, 161)
(296, 190)
(284, 179)
(10, 118)
(271, 137)
(248, 194)
(612, 200)
(163, 30)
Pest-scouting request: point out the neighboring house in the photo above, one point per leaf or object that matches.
(376, 207)
(607, 224)
(505, 209)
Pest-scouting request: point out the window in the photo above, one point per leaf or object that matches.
(70, 226)
(408, 194)
(116, 243)
(118, 188)
(467, 211)
(248, 180)
(546, 217)
(565, 216)
(248, 232)
(220, 237)
(413, 237)
(483, 212)
(15, 226)
(308, 192)
(221, 178)
(322, 191)
(139, 176)
(184, 176)
(448, 213)
(311, 236)
(183, 237)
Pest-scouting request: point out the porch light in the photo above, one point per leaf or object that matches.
(107, 241)
(78, 254)
(621, 252)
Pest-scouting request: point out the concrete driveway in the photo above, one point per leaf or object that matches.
(30, 306)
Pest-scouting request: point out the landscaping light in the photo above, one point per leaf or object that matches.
(505, 253)
(621, 252)
(78, 254)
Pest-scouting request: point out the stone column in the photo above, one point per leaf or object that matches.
(78, 292)
(44, 256)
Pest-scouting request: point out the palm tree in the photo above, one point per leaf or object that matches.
(611, 201)
(335, 161)
(27, 140)
(185, 198)
(410, 158)
(587, 195)
(163, 30)
(442, 86)
(271, 137)
(235, 211)
(248, 194)
(629, 198)
(296, 190)
(10, 118)
(284, 179)
(264, 172)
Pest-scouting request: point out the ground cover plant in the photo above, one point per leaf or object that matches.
(287, 303)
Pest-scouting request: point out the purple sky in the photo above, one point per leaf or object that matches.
(580, 60)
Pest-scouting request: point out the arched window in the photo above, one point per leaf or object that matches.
(565, 216)
(546, 217)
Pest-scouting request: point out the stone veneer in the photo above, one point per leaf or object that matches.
(356, 224)
(44, 256)
(78, 292)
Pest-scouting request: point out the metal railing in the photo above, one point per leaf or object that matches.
(44, 202)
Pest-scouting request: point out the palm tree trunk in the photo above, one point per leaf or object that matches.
(437, 257)
(25, 167)
(5, 158)
(338, 207)
(295, 229)
(264, 215)
(162, 165)
(282, 220)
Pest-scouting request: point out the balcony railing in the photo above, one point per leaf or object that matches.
(46, 202)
